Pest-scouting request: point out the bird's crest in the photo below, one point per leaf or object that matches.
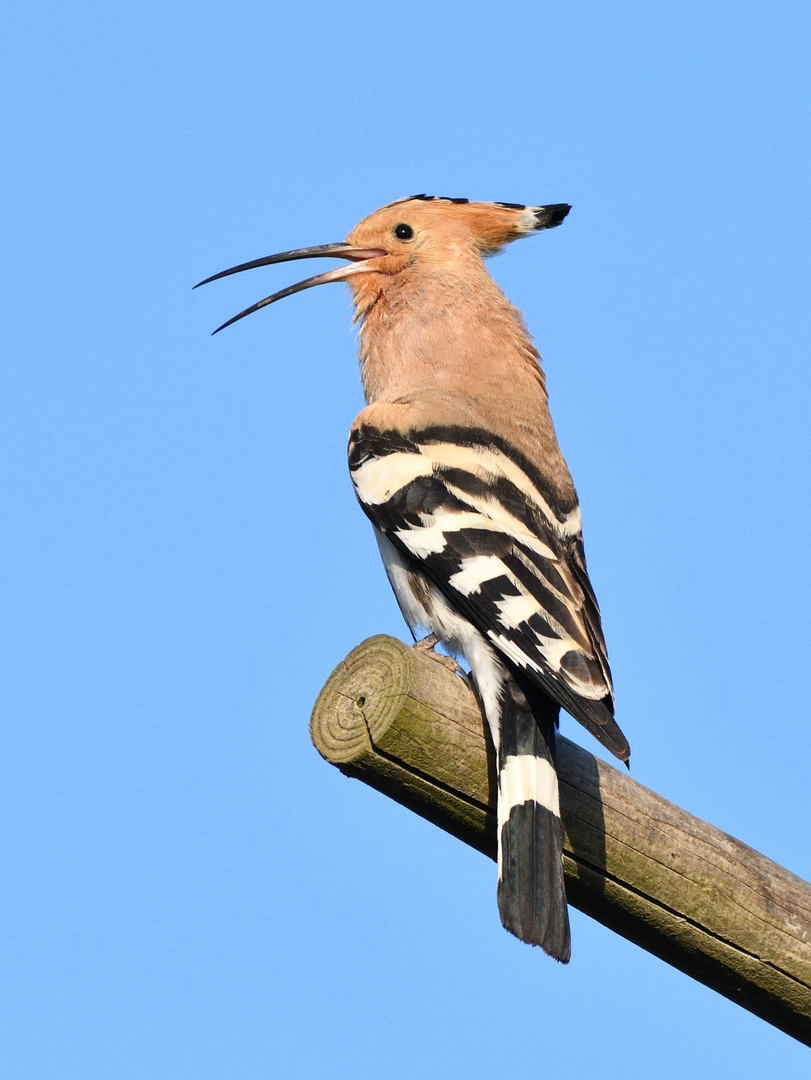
(494, 224)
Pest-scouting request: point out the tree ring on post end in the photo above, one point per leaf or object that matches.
(361, 699)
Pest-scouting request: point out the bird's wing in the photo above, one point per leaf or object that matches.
(478, 521)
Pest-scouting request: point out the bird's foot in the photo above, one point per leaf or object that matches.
(428, 644)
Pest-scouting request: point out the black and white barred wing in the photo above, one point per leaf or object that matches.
(478, 522)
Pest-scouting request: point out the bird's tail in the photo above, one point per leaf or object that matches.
(531, 892)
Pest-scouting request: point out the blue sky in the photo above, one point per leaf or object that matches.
(187, 890)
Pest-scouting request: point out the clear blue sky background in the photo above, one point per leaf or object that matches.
(188, 891)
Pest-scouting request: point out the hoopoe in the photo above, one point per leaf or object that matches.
(456, 463)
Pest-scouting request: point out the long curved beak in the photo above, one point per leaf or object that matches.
(341, 273)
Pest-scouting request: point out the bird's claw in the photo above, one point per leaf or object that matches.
(428, 644)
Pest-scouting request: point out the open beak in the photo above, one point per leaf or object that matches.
(334, 251)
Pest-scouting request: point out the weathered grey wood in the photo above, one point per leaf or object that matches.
(698, 898)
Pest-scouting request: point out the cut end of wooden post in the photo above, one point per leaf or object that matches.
(361, 699)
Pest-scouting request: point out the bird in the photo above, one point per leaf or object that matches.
(456, 463)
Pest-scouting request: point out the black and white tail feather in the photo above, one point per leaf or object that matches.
(480, 552)
(531, 891)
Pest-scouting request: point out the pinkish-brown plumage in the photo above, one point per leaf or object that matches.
(433, 323)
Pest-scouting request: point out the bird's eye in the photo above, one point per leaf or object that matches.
(403, 232)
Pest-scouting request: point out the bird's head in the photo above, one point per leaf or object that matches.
(422, 230)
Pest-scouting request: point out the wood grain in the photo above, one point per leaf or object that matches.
(699, 899)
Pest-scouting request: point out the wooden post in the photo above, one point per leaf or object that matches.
(670, 882)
